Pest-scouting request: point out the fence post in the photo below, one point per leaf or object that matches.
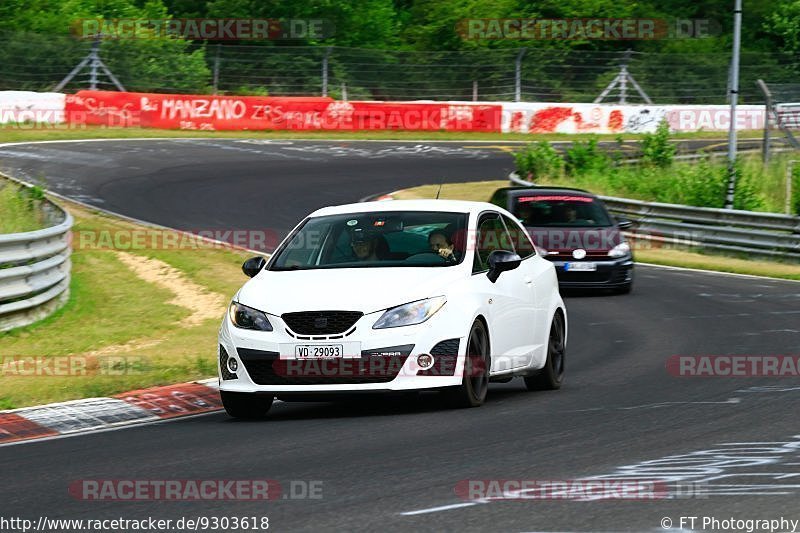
(767, 112)
(787, 206)
(216, 70)
(325, 71)
(518, 75)
(94, 63)
(730, 195)
(474, 90)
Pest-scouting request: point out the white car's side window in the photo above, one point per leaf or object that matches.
(492, 235)
(522, 242)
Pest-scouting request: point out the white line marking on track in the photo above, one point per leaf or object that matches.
(700, 270)
(440, 508)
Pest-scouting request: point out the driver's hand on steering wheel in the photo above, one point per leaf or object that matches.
(447, 252)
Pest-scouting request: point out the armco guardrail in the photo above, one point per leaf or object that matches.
(35, 270)
(758, 234)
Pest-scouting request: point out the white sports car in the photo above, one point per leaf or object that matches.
(393, 296)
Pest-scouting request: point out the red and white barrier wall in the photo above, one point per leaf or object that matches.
(612, 118)
(214, 113)
(26, 106)
(192, 112)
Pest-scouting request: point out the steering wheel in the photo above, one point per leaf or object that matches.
(424, 257)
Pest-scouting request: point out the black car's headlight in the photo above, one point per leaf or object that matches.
(621, 250)
(248, 318)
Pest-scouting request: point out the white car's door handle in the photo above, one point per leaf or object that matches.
(528, 281)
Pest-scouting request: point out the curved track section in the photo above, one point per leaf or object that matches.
(210, 184)
(395, 466)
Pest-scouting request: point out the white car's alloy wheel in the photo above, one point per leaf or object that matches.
(475, 381)
(552, 375)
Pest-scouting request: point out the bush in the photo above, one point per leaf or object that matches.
(584, 157)
(701, 184)
(656, 148)
(747, 196)
(705, 184)
(539, 161)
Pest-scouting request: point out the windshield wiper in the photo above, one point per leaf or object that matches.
(284, 268)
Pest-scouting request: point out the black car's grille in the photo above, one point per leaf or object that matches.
(445, 357)
(223, 365)
(321, 322)
(620, 275)
(267, 368)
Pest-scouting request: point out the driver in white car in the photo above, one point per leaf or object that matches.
(441, 244)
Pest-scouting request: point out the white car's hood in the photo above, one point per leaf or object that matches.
(351, 289)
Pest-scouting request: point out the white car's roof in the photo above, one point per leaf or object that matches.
(454, 206)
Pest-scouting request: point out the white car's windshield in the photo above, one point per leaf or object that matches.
(375, 239)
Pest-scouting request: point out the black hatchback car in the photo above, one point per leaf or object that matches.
(573, 229)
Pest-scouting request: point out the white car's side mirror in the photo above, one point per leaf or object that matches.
(501, 261)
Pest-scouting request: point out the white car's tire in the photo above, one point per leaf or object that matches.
(551, 376)
(244, 405)
(475, 381)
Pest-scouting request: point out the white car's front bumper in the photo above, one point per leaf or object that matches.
(375, 360)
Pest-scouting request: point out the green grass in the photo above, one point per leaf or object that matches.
(109, 306)
(482, 190)
(476, 191)
(688, 259)
(20, 210)
(701, 182)
(695, 183)
(47, 133)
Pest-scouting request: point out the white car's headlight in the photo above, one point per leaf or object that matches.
(248, 318)
(620, 250)
(410, 314)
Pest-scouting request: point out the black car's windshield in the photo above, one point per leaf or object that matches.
(374, 239)
(562, 210)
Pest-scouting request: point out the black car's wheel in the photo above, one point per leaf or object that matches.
(552, 375)
(244, 405)
(475, 381)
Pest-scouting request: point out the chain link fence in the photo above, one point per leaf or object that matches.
(38, 62)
